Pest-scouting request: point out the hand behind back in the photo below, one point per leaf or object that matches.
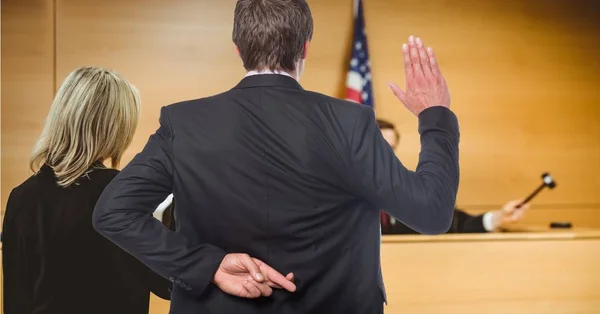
(247, 277)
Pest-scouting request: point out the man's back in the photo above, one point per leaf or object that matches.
(293, 178)
(264, 169)
(269, 175)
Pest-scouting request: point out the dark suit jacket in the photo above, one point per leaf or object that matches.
(55, 262)
(462, 222)
(289, 176)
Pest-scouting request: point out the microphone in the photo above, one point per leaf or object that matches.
(547, 182)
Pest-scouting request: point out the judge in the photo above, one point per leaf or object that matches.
(462, 222)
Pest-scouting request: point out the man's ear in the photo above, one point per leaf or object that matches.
(237, 50)
(305, 52)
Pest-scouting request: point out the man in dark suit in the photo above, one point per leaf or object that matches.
(268, 174)
(462, 222)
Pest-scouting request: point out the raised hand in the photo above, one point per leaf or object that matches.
(425, 85)
(243, 276)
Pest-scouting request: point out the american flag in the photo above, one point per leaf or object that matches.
(358, 83)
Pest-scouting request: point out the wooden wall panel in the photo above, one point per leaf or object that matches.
(170, 51)
(27, 88)
(523, 76)
(27, 83)
(178, 51)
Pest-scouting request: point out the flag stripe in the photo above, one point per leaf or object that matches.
(354, 81)
(353, 95)
(358, 81)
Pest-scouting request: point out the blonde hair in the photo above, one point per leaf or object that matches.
(93, 118)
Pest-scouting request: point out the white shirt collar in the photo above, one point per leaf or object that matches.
(254, 72)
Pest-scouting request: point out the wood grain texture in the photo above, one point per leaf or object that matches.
(516, 234)
(175, 52)
(27, 84)
(538, 276)
(523, 76)
(538, 272)
(551, 272)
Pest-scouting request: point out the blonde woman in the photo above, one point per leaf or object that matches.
(54, 261)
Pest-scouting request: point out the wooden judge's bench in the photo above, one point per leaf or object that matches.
(529, 272)
(532, 271)
(540, 271)
(535, 271)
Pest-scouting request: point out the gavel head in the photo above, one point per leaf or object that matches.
(548, 180)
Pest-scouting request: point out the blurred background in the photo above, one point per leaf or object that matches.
(525, 82)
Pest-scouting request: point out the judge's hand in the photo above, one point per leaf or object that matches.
(425, 85)
(510, 213)
(247, 277)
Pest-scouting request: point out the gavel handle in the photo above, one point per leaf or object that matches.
(532, 195)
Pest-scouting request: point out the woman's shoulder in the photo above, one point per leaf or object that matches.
(31, 185)
(27, 193)
(46, 181)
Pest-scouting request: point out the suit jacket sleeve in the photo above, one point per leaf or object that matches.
(424, 199)
(465, 223)
(124, 211)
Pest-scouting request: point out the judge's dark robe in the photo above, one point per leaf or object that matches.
(462, 222)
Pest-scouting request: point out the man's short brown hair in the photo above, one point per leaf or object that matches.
(270, 34)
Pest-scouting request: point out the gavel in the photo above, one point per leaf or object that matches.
(547, 182)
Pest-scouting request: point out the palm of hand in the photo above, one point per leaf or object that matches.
(425, 85)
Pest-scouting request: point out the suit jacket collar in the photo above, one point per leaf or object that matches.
(268, 80)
